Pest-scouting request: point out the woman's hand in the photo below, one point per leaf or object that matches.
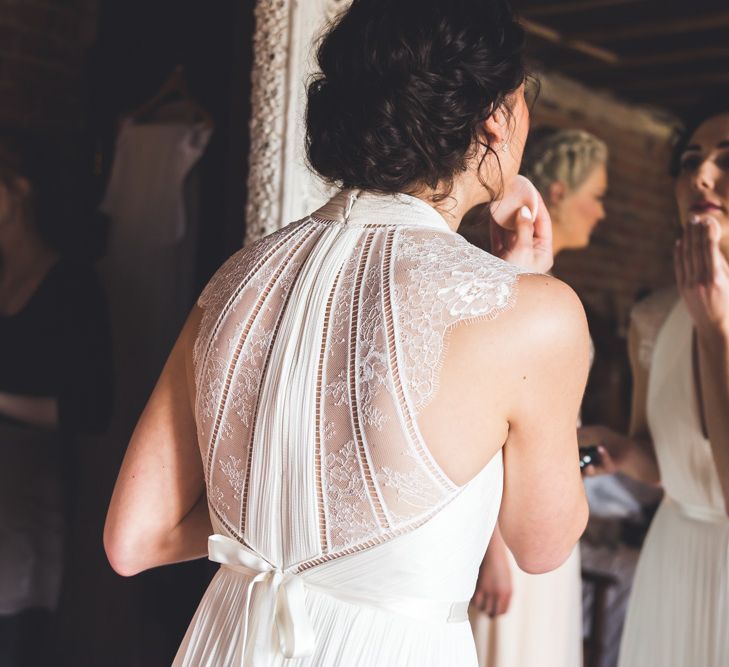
(493, 588)
(702, 274)
(529, 244)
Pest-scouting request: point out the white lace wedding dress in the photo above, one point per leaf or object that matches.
(679, 608)
(341, 540)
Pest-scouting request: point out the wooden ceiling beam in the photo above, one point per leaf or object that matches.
(673, 26)
(652, 59)
(686, 83)
(574, 7)
(555, 37)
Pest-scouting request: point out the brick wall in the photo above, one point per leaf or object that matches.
(630, 252)
(43, 48)
(631, 249)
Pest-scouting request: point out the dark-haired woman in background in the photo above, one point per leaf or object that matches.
(358, 382)
(54, 384)
(679, 609)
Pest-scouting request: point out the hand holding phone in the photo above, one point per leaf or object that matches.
(590, 456)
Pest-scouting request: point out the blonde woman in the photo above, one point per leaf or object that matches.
(520, 619)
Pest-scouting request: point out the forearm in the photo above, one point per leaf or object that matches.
(497, 547)
(189, 539)
(185, 541)
(714, 371)
(33, 411)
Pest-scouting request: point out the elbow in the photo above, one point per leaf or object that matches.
(121, 554)
(546, 561)
(552, 554)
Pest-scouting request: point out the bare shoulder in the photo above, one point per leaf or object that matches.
(547, 318)
(548, 310)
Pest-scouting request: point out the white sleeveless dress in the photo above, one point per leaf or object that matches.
(679, 609)
(341, 540)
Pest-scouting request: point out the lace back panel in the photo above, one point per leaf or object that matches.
(318, 347)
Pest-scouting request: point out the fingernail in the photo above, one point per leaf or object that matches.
(525, 212)
(695, 219)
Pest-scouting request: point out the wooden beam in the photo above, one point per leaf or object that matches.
(651, 59)
(573, 7)
(581, 46)
(673, 26)
(665, 98)
(683, 83)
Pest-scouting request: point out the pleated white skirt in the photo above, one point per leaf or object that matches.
(679, 609)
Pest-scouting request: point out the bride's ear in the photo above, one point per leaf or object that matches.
(496, 129)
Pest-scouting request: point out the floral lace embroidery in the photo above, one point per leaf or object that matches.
(338, 389)
(330, 431)
(439, 280)
(217, 498)
(212, 384)
(414, 488)
(231, 277)
(233, 470)
(346, 496)
(446, 280)
(342, 309)
(244, 391)
(373, 372)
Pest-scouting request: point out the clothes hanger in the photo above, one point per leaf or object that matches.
(175, 88)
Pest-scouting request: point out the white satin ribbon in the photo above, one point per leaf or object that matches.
(281, 592)
(282, 597)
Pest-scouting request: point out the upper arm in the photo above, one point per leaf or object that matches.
(161, 477)
(544, 510)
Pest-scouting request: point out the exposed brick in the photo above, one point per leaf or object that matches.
(43, 45)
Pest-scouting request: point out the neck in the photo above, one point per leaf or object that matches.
(461, 199)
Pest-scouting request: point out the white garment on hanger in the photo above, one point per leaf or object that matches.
(145, 196)
(149, 267)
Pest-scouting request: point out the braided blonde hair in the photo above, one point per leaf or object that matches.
(567, 156)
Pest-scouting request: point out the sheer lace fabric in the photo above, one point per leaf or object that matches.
(318, 347)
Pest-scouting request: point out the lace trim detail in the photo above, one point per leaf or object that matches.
(443, 280)
(230, 281)
(236, 475)
(346, 496)
(414, 488)
(356, 380)
(373, 371)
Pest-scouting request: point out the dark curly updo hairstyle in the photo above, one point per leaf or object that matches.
(404, 88)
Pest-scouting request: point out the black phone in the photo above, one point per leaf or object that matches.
(590, 455)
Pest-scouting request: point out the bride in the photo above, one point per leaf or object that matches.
(356, 398)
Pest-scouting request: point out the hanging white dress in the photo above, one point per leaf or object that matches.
(678, 614)
(149, 267)
(342, 542)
